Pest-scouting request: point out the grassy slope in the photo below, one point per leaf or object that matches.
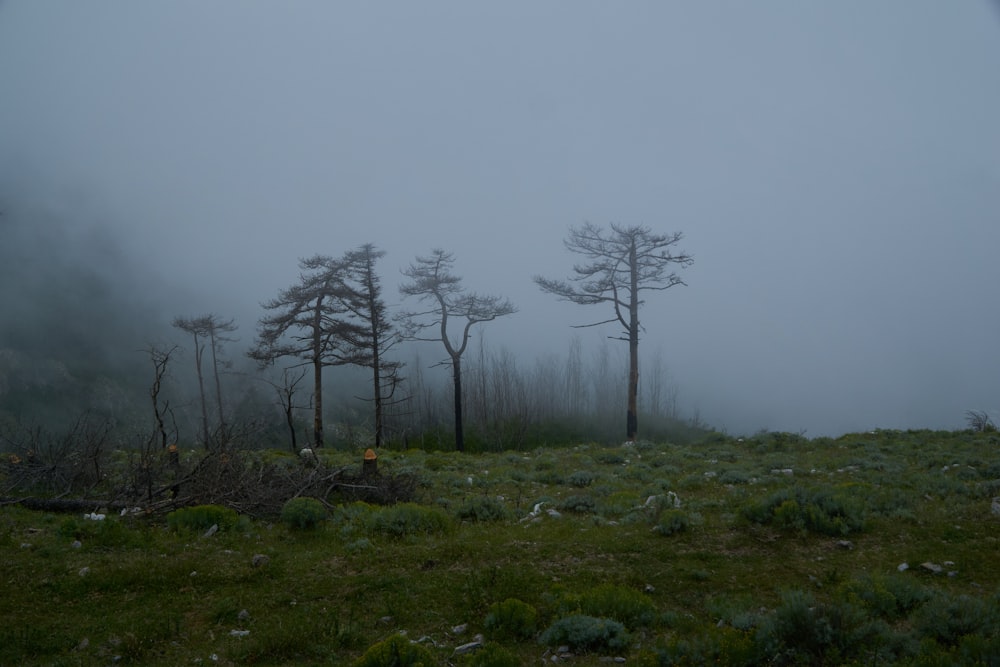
(153, 596)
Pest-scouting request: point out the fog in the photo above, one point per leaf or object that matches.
(834, 167)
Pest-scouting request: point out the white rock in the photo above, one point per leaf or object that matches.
(468, 648)
(903, 567)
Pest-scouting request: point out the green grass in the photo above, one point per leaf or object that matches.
(756, 564)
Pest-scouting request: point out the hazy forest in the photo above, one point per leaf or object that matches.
(85, 343)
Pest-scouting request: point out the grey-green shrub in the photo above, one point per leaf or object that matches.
(405, 519)
(581, 478)
(817, 510)
(578, 505)
(586, 634)
(303, 513)
(626, 605)
(671, 522)
(483, 508)
(202, 517)
(804, 631)
(512, 618)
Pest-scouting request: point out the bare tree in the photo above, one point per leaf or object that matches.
(161, 409)
(375, 333)
(433, 282)
(207, 329)
(309, 323)
(286, 396)
(622, 263)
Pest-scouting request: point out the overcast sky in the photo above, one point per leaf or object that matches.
(834, 167)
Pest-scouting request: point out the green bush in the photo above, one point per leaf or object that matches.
(581, 478)
(586, 634)
(721, 646)
(947, 619)
(888, 597)
(303, 513)
(405, 519)
(491, 655)
(671, 522)
(483, 508)
(397, 651)
(512, 618)
(626, 605)
(804, 631)
(816, 510)
(202, 517)
(578, 505)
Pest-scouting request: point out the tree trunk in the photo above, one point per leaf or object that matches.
(456, 371)
(632, 418)
(218, 384)
(377, 386)
(317, 360)
(198, 351)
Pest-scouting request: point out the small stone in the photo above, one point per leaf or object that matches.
(459, 629)
(211, 531)
(238, 633)
(84, 643)
(845, 544)
(468, 648)
(244, 615)
(84, 571)
(259, 560)
(932, 567)
(649, 588)
(903, 567)
(76, 544)
(25, 545)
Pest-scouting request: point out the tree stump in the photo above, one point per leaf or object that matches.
(369, 467)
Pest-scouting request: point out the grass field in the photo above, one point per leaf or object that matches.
(773, 549)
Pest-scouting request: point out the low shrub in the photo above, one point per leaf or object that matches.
(303, 513)
(202, 517)
(491, 655)
(947, 619)
(581, 478)
(804, 631)
(405, 519)
(626, 605)
(816, 510)
(578, 505)
(512, 618)
(397, 651)
(721, 646)
(888, 597)
(483, 508)
(583, 634)
(671, 522)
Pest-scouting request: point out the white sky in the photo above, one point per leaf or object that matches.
(835, 168)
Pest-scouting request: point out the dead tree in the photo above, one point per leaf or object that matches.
(309, 322)
(432, 282)
(210, 330)
(622, 263)
(376, 334)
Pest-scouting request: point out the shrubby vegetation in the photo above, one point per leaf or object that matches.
(817, 557)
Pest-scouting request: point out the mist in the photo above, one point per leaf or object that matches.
(835, 170)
